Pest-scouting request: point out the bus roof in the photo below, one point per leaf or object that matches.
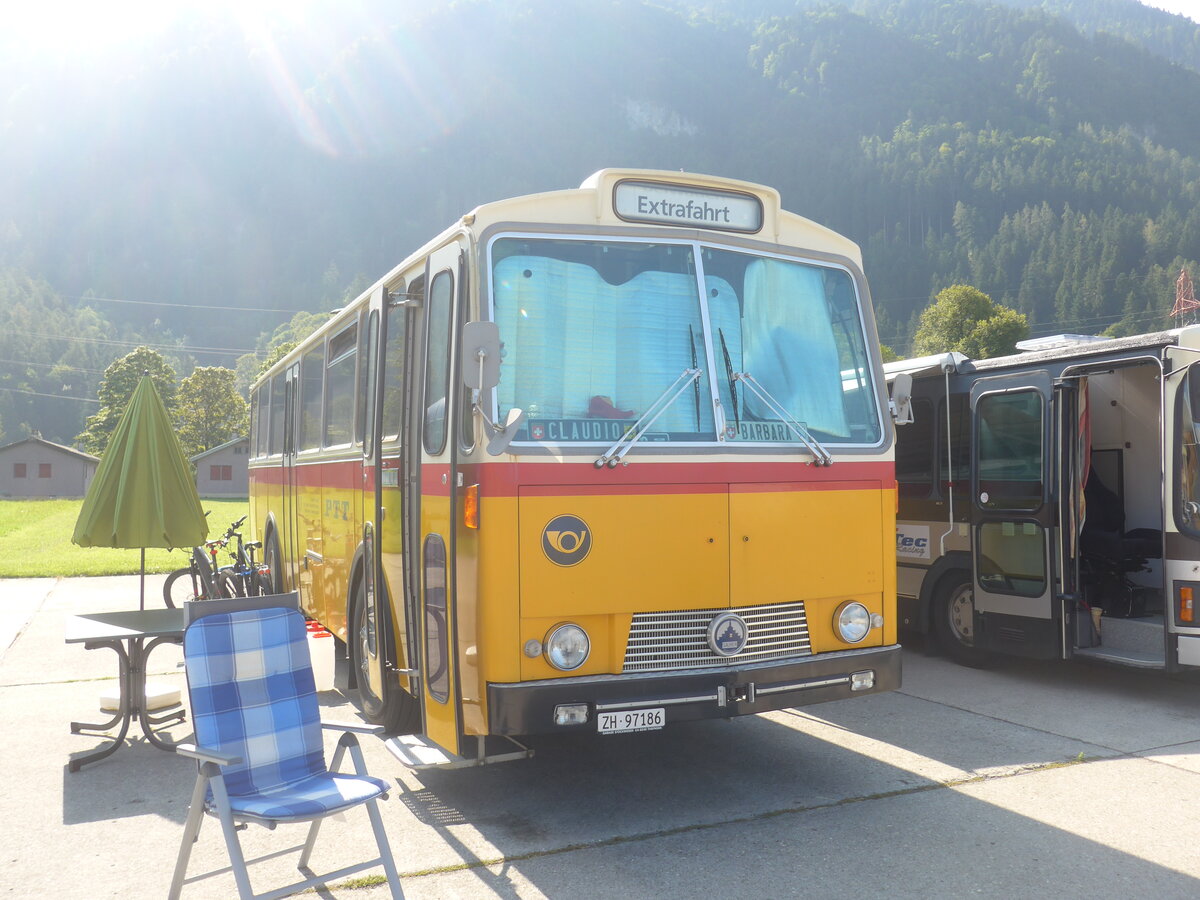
(1057, 351)
(595, 203)
(605, 197)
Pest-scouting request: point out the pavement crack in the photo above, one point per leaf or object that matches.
(1116, 751)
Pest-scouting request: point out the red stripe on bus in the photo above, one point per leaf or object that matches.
(345, 474)
(584, 479)
(504, 480)
(792, 486)
(435, 480)
(624, 490)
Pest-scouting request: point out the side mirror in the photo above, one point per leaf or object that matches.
(481, 372)
(502, 436)
(481, 355)
(902, 399)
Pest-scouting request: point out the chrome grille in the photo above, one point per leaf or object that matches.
(679, 640)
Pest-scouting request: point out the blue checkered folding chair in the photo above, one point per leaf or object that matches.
(258, 736)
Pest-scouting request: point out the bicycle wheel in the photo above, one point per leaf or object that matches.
(179, 589)
(260, 581)
(230, 584)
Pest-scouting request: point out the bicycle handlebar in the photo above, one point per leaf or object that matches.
(232, 530)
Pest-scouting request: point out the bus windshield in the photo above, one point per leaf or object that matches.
(602, 335)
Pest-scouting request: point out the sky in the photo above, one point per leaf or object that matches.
(1189, 8)
(71, 28)
(83, 28)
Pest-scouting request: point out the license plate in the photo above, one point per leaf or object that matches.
(631, 720)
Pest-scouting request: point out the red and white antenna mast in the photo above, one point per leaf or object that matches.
(1186, 304)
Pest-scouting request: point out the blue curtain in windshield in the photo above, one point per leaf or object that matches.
(789, 346)
(592, 349)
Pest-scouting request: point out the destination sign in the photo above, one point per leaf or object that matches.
(642, 201)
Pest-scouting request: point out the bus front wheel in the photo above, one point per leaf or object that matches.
(954, 621)
(382, 701)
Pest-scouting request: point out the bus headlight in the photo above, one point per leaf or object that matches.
(852, 621)
(567, 647)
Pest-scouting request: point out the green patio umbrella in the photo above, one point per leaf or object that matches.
(143, 494)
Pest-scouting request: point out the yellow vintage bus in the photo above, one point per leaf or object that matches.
(599, 460)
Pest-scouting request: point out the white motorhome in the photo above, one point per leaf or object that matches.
(1049, 501)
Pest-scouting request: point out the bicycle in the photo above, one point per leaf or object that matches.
(202, 578)
(247, 576)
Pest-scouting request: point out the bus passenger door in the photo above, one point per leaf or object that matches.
(432, 456)
(1012, 518)
(289, 527)
(381, 623)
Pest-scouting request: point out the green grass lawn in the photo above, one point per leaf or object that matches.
(36, 539)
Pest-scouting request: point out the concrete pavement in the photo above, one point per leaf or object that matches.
(1027, 780)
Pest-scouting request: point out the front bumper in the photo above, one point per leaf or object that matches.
(528, 707)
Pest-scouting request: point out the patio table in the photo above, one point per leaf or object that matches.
(142, 631)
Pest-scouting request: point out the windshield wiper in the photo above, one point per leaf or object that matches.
(733, 400)
(821, 456)
(616, 453)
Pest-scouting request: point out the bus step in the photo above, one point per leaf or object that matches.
(417, 752)
(1137, 659)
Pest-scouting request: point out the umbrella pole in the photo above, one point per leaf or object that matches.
(142, 583)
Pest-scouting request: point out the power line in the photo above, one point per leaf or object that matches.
(207, 306)
(55, 396)
(23, 362)
(111, 343)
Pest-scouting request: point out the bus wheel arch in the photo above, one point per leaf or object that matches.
(392, 707)
(953, 616)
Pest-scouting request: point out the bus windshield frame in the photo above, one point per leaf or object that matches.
(600, 331)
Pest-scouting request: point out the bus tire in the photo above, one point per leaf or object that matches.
(954, 620)
(397, 710)
(273, 583)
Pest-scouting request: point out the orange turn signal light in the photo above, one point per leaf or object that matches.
(471, 506)
(1187, 611)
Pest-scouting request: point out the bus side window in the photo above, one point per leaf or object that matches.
(339, 387)
(466, 418)
(277, 418)
(312, 378)
(259, 420)
(437, 362)
(393, 372)
(364, 429)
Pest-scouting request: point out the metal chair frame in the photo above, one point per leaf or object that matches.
(210, 763)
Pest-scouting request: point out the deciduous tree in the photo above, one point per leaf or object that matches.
(210, 410)
(964, 319)
(117, 387)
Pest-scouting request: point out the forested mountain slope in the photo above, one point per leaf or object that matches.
(1048, 153)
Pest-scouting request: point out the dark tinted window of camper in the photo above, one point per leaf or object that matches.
(1187, 507)
(1011, 558)
(1010, 450)
(957, 481)
(916, 450)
